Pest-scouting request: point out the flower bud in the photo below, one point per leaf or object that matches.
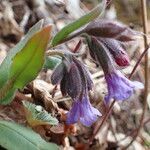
(100, 54)
(117, 51)
(119, 87)
(73, 77)
(109, 29)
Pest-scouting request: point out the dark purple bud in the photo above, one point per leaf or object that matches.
(58, 74)
(102, 54)
(115, 48)
(126, 36)
(73, 77)
(74, 86)
(110, 29)
(85, 75)
(63, 84)
(105, 28)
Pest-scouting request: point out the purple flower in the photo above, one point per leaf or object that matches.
(119, 87)
(73, 77)
(75, 80)
(112, 36)
(82, 111)
(116, 50)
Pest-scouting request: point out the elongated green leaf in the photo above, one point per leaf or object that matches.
(24, 66)
(6, 64)
(78, 23)
(29, 61)
(9, 96)
(37, 116)
(17, 137)
(51, 62)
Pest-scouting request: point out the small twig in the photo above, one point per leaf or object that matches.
(145, 28)
(77, 47)
(148, 120)
(25, 19)
(133, 132)
(62, 99)
(139, 61)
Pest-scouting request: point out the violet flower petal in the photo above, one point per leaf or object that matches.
(89, 114)
(84, 112)
(119, 87)
(74, 113)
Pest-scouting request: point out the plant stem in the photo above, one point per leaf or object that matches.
(55, 52)
(145, 29)
(139, 60)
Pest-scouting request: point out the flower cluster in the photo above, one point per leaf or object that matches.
(107, 45)
(114, 36)
(75, 80)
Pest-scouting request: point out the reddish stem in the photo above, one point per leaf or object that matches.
(139, 61)
(77, 47)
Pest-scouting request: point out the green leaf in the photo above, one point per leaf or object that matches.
(6, 88)
(9, 96)
(35, 115)
(16, 137)
(29, 61)
(61, 35)
(6, 64)
(23, 62)
(51, 62)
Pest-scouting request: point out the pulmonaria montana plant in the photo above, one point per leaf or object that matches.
(107, 42)
(119, 87)
(75, 80)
